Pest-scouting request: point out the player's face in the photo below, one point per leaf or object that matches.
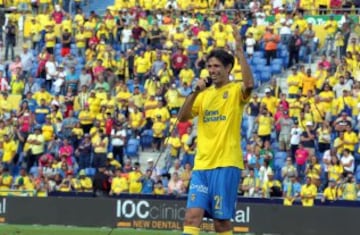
(218, 72)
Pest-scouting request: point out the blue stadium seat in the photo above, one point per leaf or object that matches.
(357, 177)
(265, 76)
(34, 171)
(279, 163)
(276, 68)
(277, 61)
(146, 139)
(258, 54)
(132, 148)
(90, 171)
(258, 61)
(281, 155)
(57, 46)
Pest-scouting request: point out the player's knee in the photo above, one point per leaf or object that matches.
(222, 226)
(192, 218)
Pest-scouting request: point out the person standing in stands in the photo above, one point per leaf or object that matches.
(219, 157)
(10, 39)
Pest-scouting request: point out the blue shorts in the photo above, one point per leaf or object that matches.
(215, 191)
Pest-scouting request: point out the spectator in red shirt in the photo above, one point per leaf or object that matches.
(137, 32)
(178, 61)
(301, 156)
(66, 151)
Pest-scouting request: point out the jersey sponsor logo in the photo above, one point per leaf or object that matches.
(213, 116)
(199, 188)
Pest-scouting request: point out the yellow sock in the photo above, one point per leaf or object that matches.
(191, 230)
(226, 233)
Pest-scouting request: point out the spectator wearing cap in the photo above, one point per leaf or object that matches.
(172, 98)
(291, 190)
(27, 59)
(269, 101)
(36, 144)
(112, 163)
(51, 72)
(86, 184)
(119, 184)
(50, 38)
(135, 186)
(271, 187)
(48, 130)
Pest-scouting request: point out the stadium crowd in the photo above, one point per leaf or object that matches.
(87, 93)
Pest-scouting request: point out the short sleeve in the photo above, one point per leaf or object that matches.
(195, 110)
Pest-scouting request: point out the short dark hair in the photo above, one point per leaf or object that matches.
(223, 56)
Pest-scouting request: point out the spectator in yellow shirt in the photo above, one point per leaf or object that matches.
(135, 185)
(9, 149)
(308, 193)
(158, 133)
(119, 184)
(332, 192)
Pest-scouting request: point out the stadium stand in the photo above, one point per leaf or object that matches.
(89, 88)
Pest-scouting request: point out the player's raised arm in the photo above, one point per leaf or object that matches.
(247, 77)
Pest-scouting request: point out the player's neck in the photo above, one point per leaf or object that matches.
(221, 84)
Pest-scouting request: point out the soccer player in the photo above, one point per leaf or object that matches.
(216, 175)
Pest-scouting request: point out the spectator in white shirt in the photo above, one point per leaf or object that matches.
(341, 86)
(118, 136)
(51, 72)
(26, 59)
(347, 161)
(250, 44)
(295, 138)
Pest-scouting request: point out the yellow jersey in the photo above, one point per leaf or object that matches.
(219, 111)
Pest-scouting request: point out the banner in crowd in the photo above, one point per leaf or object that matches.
(319, 19)
(168, 214)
